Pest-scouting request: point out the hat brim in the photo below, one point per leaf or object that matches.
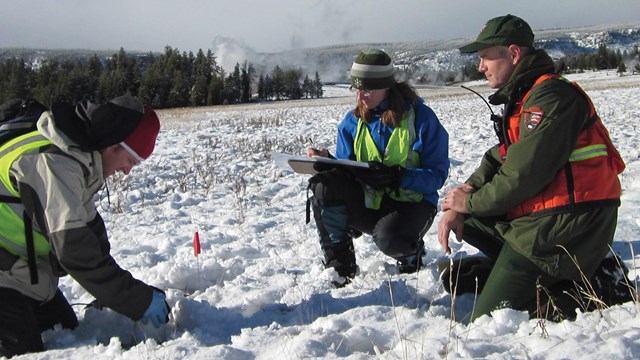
(475, 47)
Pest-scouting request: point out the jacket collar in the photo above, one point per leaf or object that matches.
(524, 75)
(89, 159)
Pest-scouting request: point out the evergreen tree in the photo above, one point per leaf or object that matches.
(202, 80)
(151, 82)
(307, 87)
(118, 77)
(261, 88)
(179, 93)
(14, 84)
(318, 86)
(217, 80)
(124, 74)
(292, 88)
(233, 86)
(46, 81)
(168, 64)
(616, 58)
(277, 82)
(74, 83)
(245, 83)
(622, 68)
(601, 59)
(581, 63)
(94, 71)
(269, 94)
(216, 89)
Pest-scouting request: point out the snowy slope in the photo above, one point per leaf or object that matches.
(258, 290)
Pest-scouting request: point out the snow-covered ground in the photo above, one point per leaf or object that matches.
(258, 289)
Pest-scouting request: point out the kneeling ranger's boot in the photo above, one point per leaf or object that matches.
(467, 275)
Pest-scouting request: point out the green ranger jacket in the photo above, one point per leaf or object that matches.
(553, 241)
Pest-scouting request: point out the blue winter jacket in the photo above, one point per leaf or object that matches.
(432, 145)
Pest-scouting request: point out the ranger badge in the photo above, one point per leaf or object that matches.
(533, 117)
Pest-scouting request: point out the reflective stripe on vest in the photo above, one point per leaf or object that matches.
(12, 228)
(399, 151)
(589, 179)
(589, 152)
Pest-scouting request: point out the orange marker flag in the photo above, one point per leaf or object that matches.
(196, 244)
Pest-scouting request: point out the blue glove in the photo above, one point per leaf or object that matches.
(158, 310)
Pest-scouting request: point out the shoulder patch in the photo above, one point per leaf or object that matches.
(533, 117)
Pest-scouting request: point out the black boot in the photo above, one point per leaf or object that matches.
(335, 240)
(468, 275)
(412, 263)
(608, 286)
(342, 258)
(611, 283)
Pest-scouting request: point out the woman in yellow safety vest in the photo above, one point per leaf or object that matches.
(394, 199)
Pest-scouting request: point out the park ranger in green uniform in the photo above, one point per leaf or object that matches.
(542, 206)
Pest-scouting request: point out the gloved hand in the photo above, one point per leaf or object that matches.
(158, 310)
(320, 167)
(328, 176)
(378, 175)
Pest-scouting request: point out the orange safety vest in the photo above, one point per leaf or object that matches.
(590, 177)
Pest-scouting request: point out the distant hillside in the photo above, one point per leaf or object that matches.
(333, 62)
(36, 55)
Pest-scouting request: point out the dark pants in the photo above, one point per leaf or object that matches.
(23, 319)
(516, 282)
(397, 227)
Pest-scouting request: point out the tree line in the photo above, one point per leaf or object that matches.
(180, 79)
(168, 80)
(602, 59)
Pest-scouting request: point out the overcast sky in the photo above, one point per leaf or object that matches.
(276, 25)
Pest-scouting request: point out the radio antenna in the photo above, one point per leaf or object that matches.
(481, 97)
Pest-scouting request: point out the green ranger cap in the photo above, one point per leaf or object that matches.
(504, 31)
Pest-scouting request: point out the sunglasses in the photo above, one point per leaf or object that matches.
(364, 92)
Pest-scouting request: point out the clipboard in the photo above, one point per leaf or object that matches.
(310, 165)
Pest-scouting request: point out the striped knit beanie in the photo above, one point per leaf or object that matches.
(372, 69)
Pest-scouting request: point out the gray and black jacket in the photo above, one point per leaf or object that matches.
(57, 189)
